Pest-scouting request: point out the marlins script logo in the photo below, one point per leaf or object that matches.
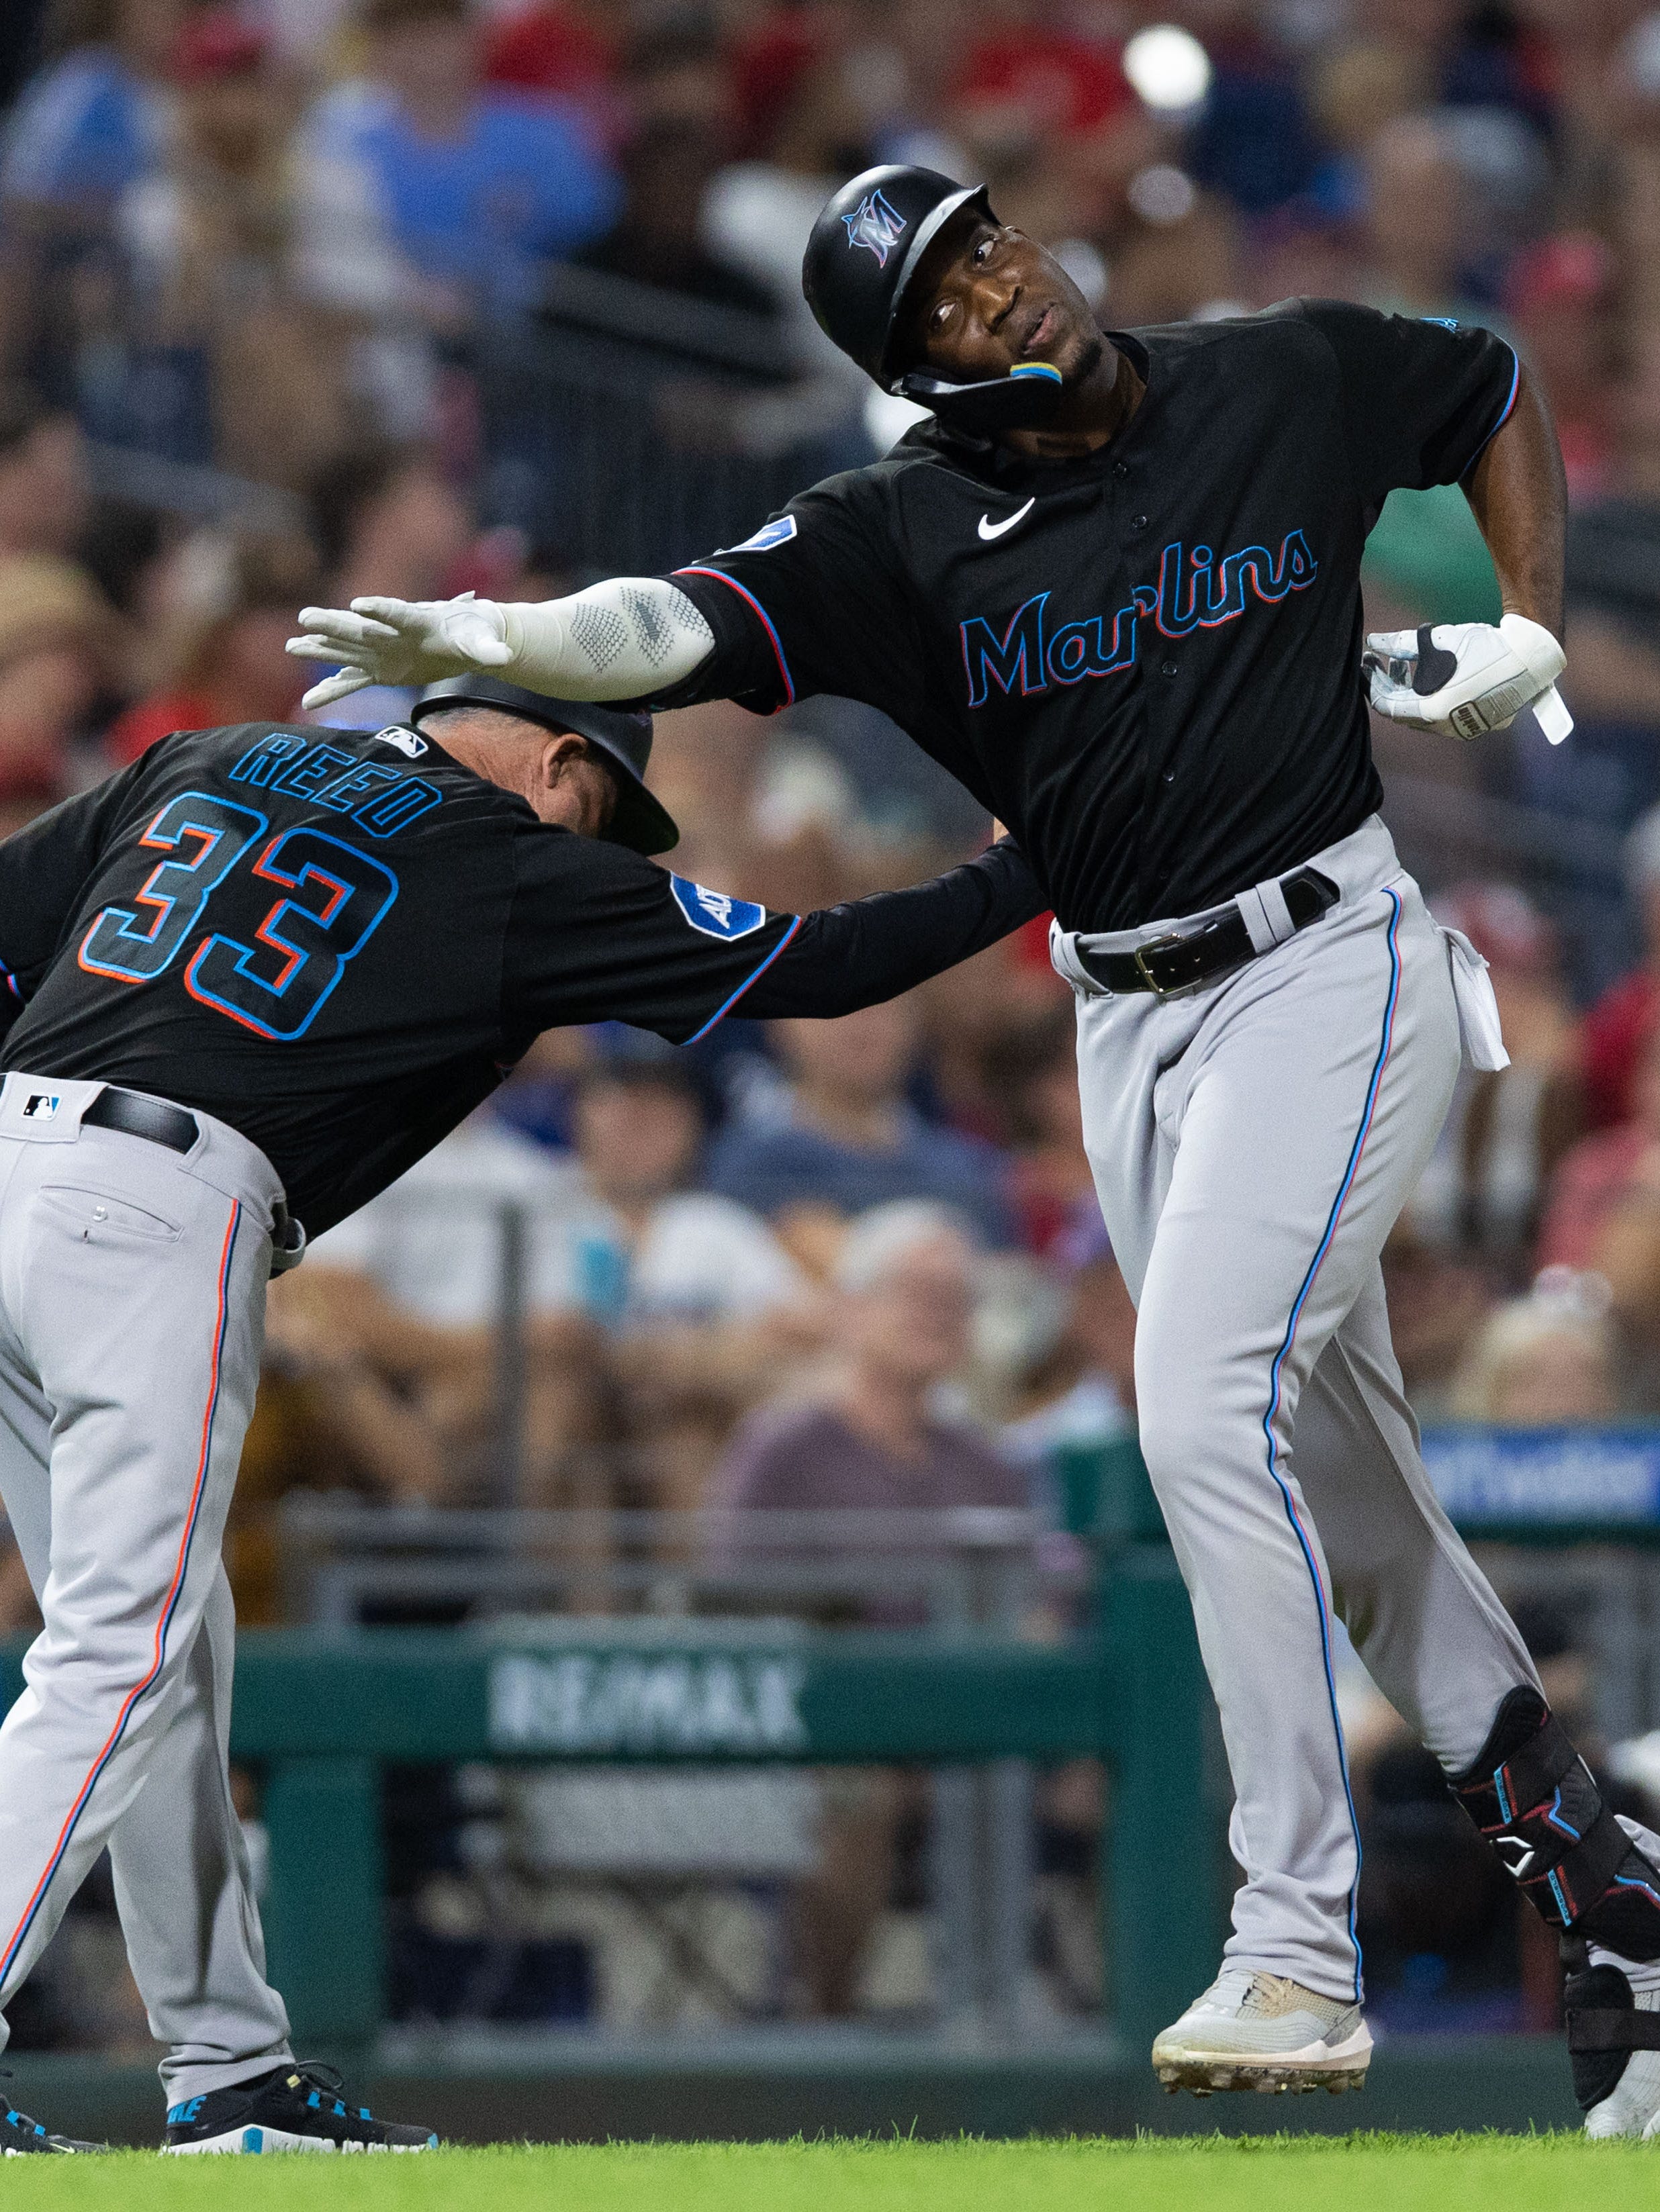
(875, 225)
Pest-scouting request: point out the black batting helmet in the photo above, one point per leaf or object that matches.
(866, 248)
(641, 822)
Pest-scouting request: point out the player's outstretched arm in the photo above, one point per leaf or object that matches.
(631, 637)
(846, 957)
(1466, 679)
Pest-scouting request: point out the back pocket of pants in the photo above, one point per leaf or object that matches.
(98, 1217)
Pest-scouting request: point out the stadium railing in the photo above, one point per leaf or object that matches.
(345, 1562)
(319, 1715)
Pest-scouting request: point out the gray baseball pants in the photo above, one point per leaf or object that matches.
(1252, 1144)
(132, 1292)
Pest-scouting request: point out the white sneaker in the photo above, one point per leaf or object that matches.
(1262, 2031)
(1618, 2088)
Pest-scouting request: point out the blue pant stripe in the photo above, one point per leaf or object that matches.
(1280, 1359)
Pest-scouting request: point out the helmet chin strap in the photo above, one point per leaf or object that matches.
(1026, 397)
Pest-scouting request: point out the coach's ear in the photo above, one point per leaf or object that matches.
(577, 789)
(559, 752)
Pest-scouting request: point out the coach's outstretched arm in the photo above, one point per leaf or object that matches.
(846, 957)
(598, 933)
(631, 637)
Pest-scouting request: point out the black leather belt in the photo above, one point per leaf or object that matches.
(136, 1116)
(1169, 965)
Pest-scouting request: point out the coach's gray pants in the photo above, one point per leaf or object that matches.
(133, 1287)
(1252, 1145)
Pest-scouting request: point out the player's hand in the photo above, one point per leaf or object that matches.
(403, 641)
(1463, 679)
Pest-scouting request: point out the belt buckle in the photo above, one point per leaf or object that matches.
(1165, 944)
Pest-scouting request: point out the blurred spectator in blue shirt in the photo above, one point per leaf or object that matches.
(1254, 141)
(842, 1135)
(432, 195)
(95, 121)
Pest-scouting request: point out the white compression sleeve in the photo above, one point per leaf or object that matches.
(624, 638)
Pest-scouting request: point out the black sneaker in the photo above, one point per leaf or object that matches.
(297, 2108)
(19, 2136)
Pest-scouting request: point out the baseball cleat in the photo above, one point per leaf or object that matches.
(21, 2137)
(1613, 2044)
(297, 2108)
(1261, 2032)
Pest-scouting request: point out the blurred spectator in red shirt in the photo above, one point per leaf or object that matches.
(552, 48)
(1617, 1031)
(1032, 75)
(1604, 1172)
(227, 663)
(1559, 301)
(771, 60)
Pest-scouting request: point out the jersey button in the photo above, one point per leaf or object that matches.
(1167, 667)
(1138, 522)
(1120, 468)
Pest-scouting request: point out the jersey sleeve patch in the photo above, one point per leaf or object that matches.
(768, 535)
(714, 914)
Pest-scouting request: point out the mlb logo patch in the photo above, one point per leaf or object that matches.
(713, 913)
(407, 741)
(40, 1105)
(769, 535)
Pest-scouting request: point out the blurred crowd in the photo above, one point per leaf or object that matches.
(260, 268)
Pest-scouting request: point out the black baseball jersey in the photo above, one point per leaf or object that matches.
(338, 942)
(1147, 663)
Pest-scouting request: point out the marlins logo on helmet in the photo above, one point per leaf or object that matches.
(875, 225)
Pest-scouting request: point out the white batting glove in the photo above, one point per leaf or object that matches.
(1463, 679)
(402, 642)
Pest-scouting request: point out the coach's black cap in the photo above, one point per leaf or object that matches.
(621, 734)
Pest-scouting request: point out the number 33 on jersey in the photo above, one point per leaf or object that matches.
(339, 940)
(330, 898)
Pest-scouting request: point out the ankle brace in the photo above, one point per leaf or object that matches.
(1603, 2023)
(1532, 1796)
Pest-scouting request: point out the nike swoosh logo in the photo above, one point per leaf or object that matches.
(989, 529)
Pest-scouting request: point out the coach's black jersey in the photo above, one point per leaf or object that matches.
(338, 943)
(1147, 662)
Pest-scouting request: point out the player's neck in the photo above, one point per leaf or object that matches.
(1092, 416)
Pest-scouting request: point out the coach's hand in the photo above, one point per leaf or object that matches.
(400, 641)
(1463, 679)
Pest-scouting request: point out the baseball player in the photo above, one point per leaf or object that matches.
(1113, 584)
(246, 982)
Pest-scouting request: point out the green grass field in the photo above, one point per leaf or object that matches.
(1263, 2173)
